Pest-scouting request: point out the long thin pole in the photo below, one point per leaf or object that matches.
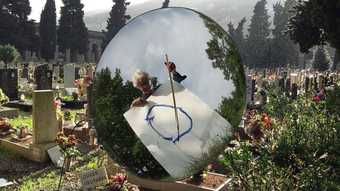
(173, 96)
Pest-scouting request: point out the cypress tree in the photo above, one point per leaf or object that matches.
(316, 22)
(116, 21)
(257, 42)
(237, 36)
(48, 30)
(284, 51)
(72, 32)
(15, 28)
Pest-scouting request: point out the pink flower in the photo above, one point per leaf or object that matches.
(316, 99)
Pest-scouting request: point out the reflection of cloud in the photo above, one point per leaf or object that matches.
(178, 32)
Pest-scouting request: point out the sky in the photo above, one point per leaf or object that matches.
(185, 44)
(91, 6)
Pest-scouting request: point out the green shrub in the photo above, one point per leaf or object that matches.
(112, 99)
(299, 152)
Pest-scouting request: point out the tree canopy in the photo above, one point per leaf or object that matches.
(116, 21)
(48, 30)
(72, 32)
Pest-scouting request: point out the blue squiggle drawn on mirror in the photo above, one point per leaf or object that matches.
(173, 139)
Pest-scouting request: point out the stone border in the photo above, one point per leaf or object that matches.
(177, 185)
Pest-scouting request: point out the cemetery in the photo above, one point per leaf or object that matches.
(190, 107)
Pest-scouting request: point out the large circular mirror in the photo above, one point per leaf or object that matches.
(210, 94)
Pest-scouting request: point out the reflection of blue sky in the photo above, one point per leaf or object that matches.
(178, 32)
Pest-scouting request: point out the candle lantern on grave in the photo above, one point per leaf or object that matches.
(198, 98)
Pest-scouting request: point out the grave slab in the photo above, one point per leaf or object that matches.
(9, 112)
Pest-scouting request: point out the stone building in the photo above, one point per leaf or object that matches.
(93, 54)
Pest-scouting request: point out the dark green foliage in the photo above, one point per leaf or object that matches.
(15, 28)
(315, 23)
(224, 55)
(116, 21)
(112, 100)
(283, 51)
(165, 3)
(333, 101)
(257, 42)
(8, 54)
(238, 37)
(299, 152)
(72, 32)
(48, 30)
(321, 59)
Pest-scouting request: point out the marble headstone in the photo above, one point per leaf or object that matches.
(69, 75)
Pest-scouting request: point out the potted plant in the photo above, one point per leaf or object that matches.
(68, 119)
(68, 148)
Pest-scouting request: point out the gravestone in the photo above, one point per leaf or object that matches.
(294, 91)
(307, 84)
(249, 89)
(253, 87)
(56, 156)
(315, 82)
(69, 75)
(25, 71)
(9, 83)
(281, 84)
(45, 124)
(43, 77)
(321, 82)
(287, 87)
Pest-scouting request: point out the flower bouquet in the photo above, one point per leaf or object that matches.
(119, 183)
(68, 148)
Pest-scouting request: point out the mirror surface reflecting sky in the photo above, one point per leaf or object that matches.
(184, 35)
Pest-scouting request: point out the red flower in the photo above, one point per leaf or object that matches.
(266, 120)
(57, 103)
(316, 99)
(120, 178)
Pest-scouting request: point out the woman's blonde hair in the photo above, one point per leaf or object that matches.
(139, 76)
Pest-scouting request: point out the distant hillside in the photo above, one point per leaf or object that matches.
(223, 11)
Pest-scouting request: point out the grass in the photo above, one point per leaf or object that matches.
(47, 181)
(24, 118)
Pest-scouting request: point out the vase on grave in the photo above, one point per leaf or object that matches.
(93, 137)
(23, 132)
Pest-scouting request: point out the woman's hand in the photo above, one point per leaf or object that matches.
(138, 102)
(171, 66)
